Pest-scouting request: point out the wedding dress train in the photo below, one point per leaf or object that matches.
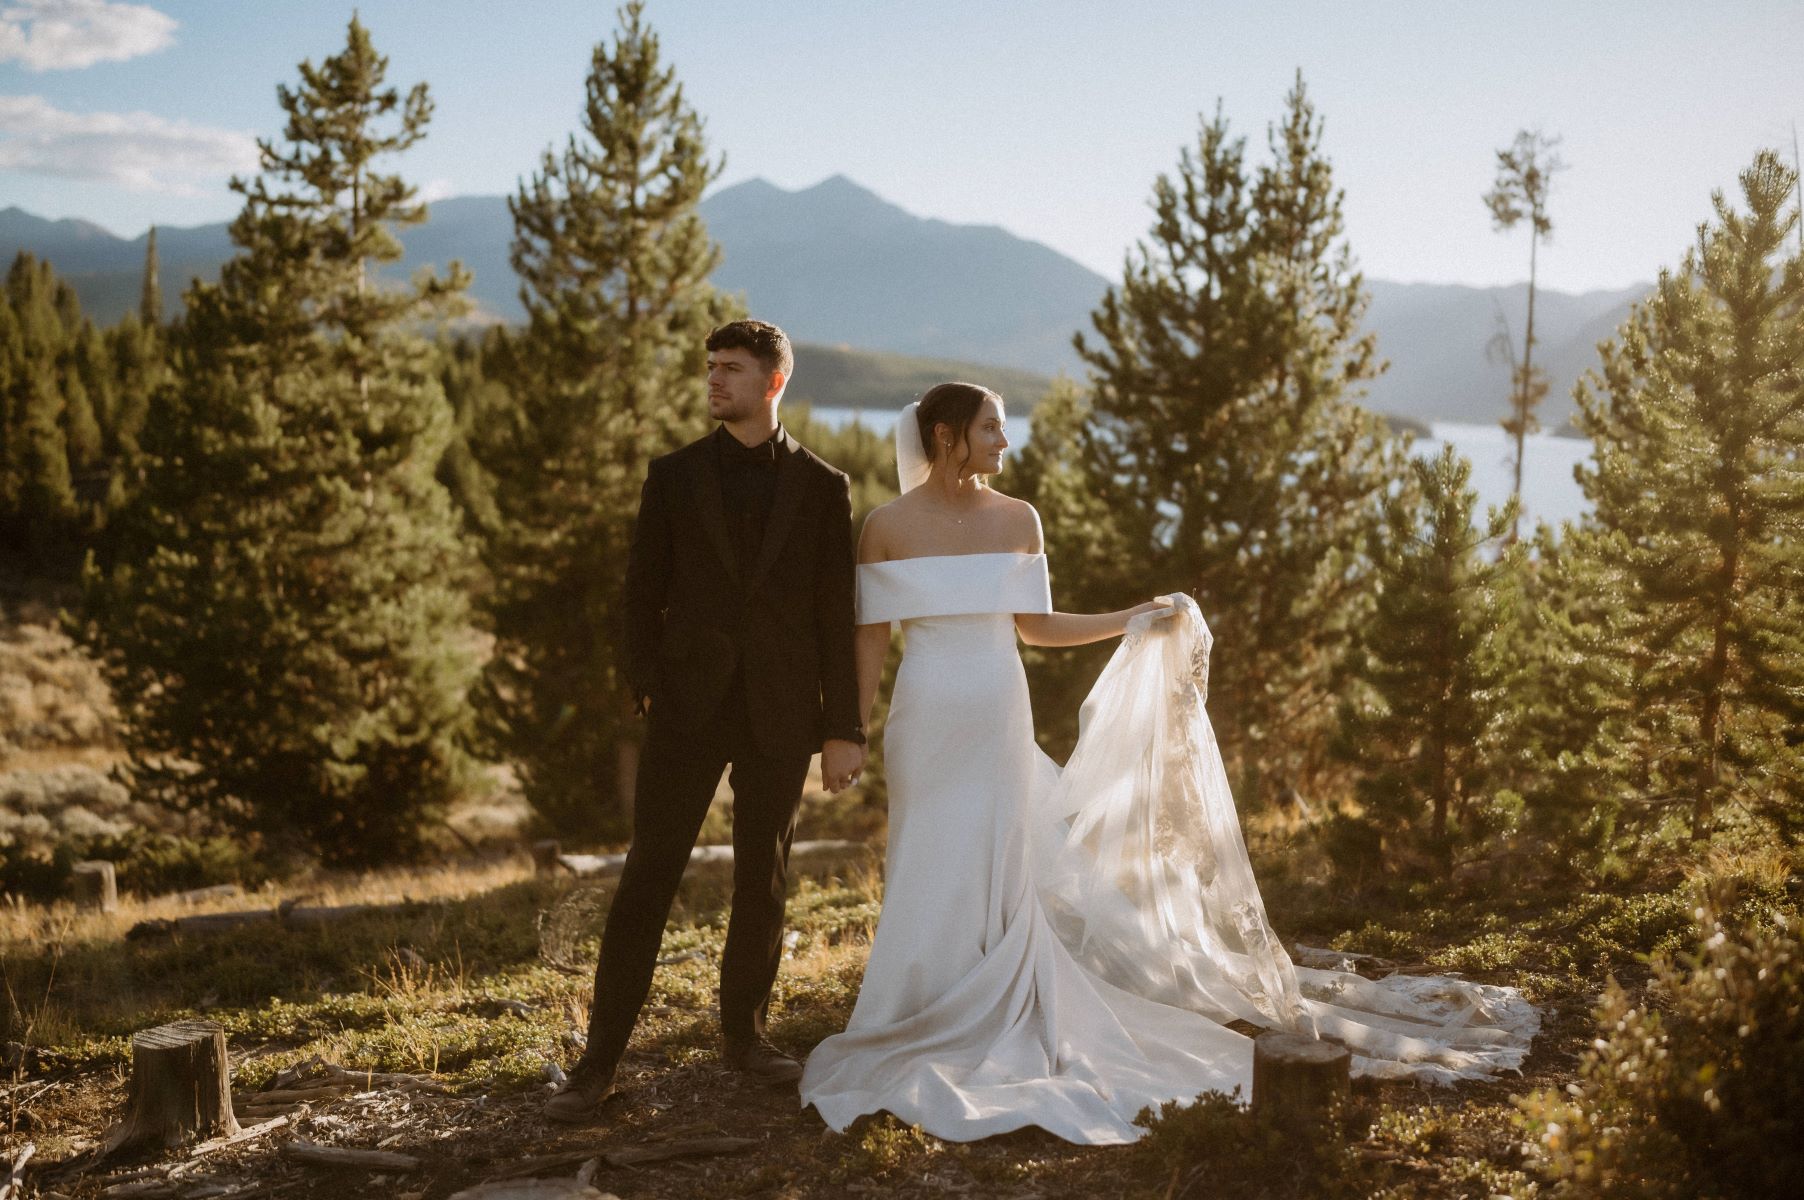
(1062, 947)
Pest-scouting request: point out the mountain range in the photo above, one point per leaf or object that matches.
(840, 267)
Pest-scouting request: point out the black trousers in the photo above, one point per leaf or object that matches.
(678, 772)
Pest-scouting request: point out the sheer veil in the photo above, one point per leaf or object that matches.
(911, 458)
(1141, 866)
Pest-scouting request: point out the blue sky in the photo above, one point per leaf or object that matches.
(1050, 119)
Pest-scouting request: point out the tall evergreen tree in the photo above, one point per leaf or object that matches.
(45, 417)
(1087, 542)
(1525, 171)
(1226, 367)
(1698, 491)
(150, 296)
(614, 262)
(478, 400)
(1419, 725)
(285, 609)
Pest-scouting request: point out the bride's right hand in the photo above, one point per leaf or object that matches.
(1142, 617)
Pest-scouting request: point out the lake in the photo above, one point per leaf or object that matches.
(1549, 492)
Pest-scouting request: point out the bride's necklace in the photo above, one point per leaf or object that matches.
(951, 513)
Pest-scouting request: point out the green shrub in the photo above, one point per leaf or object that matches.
(1216, 1147)
(1703, 1099)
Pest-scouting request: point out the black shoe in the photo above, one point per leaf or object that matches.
(762, 1061)
(580, 1097)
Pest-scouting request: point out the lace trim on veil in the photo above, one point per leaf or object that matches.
(1145, 874)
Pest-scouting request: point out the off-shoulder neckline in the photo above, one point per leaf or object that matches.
(888, 562)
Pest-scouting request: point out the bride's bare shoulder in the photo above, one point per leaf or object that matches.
(1022, 521)
(877, 534)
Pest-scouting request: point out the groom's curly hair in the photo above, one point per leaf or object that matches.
(955, 405)
(764, 341)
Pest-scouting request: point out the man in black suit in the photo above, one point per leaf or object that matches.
(739, 650)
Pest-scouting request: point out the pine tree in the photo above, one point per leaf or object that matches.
(1087, 542)
(614, 261)
(285, 608)
(1698, 495)
(150, 296)
(44, 417)
(1419, 725)
(478, 400)
(1525, 172)
(1225, 368)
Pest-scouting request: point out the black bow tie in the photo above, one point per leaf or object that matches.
(735, 453)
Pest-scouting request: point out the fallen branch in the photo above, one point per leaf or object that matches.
(370, 1080)
(288, 914)
(628, 1156)
(15, 1170)
(633, 1156)
(205, 1148)
(144, 1189)
(220, 891)
(259, 1112)
(802, 854)
(307, 1095)
(303, 1151)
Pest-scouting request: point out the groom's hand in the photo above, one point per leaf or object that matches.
(841, 762)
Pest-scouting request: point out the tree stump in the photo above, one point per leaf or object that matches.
(1296, 1079)
(96, 886)
(181, 1087)
(544, 855)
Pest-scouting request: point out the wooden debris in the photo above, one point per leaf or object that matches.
(628, 1156)
(306, 1095)
(534, 1189)
(180, 1087)
(247, 1134)
(1322, 959)
(635, 1156)
(288, 914)
(222, 891)
(96, 885)
(142, 1189)
(1296, 1079)
(303, 1151)
(802, 854)
(15, 1171)
(371, 1080)
(545, 855)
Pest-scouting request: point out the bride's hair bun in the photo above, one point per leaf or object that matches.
(952, 404)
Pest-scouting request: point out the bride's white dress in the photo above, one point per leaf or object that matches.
(1060, 948)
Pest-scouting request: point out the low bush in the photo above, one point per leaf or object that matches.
(1700, 1093)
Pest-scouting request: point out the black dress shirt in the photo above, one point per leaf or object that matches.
(748, 483)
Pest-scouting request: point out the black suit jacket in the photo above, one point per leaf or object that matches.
(695, 615)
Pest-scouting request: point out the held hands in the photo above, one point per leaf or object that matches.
(841, 763)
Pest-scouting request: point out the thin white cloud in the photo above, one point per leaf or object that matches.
(434, 190)
(137, 150)
(53, 35)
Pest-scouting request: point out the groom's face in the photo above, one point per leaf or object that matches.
(739, 386)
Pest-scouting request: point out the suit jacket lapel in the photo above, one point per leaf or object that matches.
(783, 506)
(713, 508)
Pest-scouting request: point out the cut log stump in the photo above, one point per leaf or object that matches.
(181, 1087)
(1297, 1079)
(96, 886)
(544, 855)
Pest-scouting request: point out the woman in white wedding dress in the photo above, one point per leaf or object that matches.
(1062, 947)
